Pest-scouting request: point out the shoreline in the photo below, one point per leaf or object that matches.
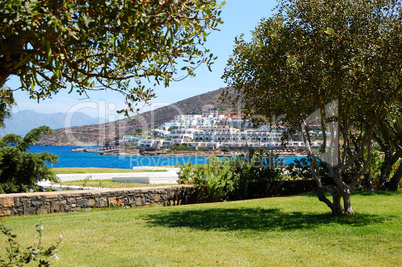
(194, 154)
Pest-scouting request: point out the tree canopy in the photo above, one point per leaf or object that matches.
(97, 45)
(335, 64)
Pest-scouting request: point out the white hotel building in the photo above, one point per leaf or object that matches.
(206, 130)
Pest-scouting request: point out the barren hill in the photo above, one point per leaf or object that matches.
(96, 134)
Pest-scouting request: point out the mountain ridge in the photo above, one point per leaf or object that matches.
(21, 122)
(97, 134)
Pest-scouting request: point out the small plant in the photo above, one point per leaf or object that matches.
(86, 180)
(67, 188)
(18, 256)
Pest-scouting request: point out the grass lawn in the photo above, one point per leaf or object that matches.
(285, 231)
(104, 183)
(97, 170)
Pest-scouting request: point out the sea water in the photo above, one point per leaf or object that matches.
(67, 158)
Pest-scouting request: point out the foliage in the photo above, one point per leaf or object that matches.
(150, 149)
(254, 174)
(96, 45)
(138, 132)
(372, 176)
(18, 256)
(204, 149)
(299, 168)
(388, 136)
(246, 176)
(214, 180)
(5, 108)
(225, 149)
(180, 147)
(21, 170)
(335, 64)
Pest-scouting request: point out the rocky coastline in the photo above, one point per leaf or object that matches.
(170, 153)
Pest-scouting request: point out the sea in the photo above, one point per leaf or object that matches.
(67, 158)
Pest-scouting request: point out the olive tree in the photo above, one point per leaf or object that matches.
(103, 44)
(5, 109)
(324, 64)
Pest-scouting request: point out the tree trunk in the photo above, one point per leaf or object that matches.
(337, 205)
(324, 199)
(347, 209)
(347, 205)
(386, 169)
(393, 184)
(367, 182)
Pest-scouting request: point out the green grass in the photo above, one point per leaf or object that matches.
(104, 183)
(97, 170)
(283, 231)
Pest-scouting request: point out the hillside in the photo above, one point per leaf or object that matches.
(96, 134)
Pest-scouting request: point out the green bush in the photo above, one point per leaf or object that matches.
(255, 172)
(204, 149)
(20, 170)
(214, 180)
(182, 148)
(246, 176)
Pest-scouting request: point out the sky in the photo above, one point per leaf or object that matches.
(239, 16)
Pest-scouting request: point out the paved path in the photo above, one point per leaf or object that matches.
(170, 172)
(168, 177)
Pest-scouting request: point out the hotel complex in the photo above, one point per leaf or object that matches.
(213, 130)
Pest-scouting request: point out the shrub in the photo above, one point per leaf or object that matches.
(247, 176)
(254, 174)
(20, 170)
(204, 148)
(213, 180)
(19, 256)
(183, 148)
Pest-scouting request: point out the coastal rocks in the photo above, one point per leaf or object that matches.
(92, 150)
(53, 202)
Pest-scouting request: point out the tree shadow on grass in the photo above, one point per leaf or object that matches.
(258, 219)
(377, 193)
(362, 193)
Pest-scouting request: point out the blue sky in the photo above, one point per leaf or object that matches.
(239, 16)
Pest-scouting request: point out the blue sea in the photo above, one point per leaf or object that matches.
(88, 159)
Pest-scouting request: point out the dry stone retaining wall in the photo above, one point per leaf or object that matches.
(68, 201)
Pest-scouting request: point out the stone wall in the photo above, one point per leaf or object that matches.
(68, 201)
